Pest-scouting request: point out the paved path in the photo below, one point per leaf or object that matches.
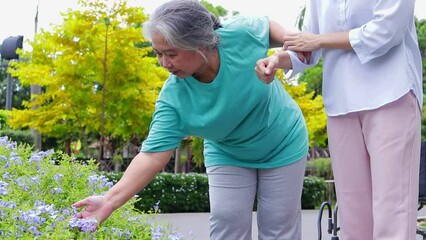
(195, 226)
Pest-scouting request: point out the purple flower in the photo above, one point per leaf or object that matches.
(58, 190)
(64, 214)
(21, 182)
(37, 157)
(58, 177)
(31, 217)
(157, 233)
(175, 236)
(45, 208)
(97, 181)
(3, 188)
(7, 204)
(35, 179)
(34, 230)
(14, 157)
(121, 233)
(4, 141)
(84, 225)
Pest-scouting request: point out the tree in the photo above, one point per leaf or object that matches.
(312, 108)
(19, 93)
(218, 11)
(97, 74)
(313, 79)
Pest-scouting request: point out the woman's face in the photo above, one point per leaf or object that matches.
(180, 62)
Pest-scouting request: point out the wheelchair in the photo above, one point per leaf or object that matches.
(421, 220)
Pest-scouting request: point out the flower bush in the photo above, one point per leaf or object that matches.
(38, 189)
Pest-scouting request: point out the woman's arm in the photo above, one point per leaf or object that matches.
(276, 34)
(267, 67)
(390, 22)
(138, 174)
(311, 42)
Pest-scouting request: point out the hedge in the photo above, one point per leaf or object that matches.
(188, 192)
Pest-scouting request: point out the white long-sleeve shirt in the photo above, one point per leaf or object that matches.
(385, 62)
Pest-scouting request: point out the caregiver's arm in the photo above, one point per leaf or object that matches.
(311, 42)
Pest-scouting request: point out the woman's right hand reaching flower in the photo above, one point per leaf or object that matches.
(96, 207)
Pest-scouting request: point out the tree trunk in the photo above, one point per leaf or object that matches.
(177, 160)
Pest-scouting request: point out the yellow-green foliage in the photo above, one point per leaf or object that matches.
(96, 72)
(3, 119)
(312, 108)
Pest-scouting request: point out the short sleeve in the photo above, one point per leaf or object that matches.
(166, 130)
(256, 26)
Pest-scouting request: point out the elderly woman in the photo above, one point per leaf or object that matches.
(255, 134)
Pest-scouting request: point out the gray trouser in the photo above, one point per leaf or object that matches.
(233, 190)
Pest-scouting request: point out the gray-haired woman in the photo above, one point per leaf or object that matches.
(255, 134)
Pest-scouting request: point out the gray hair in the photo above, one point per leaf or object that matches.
(184, 24)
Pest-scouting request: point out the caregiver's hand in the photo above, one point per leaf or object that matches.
(301, 42)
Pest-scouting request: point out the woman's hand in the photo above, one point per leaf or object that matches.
(96, 207)
(266, 68)
(301, 42)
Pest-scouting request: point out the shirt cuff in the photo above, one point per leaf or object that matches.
(356, 44)
(297, 65)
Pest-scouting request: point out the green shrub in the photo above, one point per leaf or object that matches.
(314, 192)
(3, 119)
(320, 167)
(18, 136)
(173, 193)
(189, 193)
(38, 189)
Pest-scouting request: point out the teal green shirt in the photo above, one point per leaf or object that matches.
(243, 121)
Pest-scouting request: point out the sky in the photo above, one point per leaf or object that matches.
(17, 16)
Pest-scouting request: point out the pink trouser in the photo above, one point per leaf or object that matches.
(375, 157)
